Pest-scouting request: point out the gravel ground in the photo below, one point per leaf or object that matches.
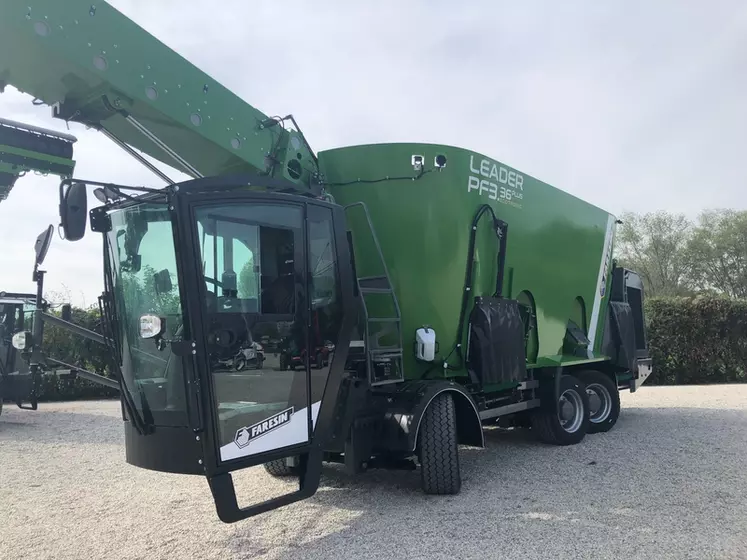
(668, 482)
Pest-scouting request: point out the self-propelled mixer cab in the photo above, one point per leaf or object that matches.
(202, 271)
(16, 310)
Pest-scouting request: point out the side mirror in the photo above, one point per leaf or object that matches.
(42, 244)
(162, 282)
(74, 211)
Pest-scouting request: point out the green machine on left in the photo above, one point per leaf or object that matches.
(25, 148)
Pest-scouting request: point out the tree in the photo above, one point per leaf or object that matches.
(248, 280)
(719, 252)
(655, 245)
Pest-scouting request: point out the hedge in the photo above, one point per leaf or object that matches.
(696, 340)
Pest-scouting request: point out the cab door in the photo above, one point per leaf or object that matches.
(255, 302)
(269, 325)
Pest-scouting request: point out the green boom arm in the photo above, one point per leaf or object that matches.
(95, 66)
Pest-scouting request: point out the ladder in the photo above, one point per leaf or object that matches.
(382, 318)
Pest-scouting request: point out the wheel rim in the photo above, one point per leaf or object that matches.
(570, 411)
(600, 402)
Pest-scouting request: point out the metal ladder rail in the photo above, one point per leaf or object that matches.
(397, 352)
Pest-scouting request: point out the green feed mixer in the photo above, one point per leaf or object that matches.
(375, 305)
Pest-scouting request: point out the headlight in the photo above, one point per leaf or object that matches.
(151, 326)
(22, 340)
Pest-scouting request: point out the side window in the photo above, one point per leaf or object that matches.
(248, 258)
(322, 259)
(324, 292)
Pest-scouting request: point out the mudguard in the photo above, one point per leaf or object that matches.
(407, 404)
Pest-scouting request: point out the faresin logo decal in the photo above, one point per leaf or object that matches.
(244, 436)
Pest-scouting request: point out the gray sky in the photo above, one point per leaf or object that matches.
(630, 105)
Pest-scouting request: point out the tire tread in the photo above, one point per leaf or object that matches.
(439, 452)
(279, 467)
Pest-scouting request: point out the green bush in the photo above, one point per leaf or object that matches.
(697, 340)
(77, 351)
(54, 388)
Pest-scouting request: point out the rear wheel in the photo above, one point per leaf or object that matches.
(439, 452)
(280, 467)
(569, 423)
(604, 400)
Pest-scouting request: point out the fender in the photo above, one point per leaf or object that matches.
(408, 403)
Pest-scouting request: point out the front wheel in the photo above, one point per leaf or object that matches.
(439, 452)
(568, 424)
(280, 468)
(604, 400)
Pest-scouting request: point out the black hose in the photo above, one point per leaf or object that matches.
(500, 228)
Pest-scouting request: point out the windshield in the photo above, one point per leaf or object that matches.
(140, 247)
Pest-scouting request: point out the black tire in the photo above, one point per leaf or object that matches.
(547, 423)
(599, 386)
(438, 449)
(240, 364)
(279, 467)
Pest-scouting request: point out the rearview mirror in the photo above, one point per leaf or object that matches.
(162, 282)
(74, 212)
(42, 244)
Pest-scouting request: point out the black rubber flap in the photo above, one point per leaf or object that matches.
(619, 335)
(496, 343)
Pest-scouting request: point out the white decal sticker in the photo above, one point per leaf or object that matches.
(496, 182)
(282, 429)
(604, 263)
(248, 433)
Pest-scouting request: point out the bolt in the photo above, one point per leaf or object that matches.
(197, 438)
(92, 11)
(199, 461)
